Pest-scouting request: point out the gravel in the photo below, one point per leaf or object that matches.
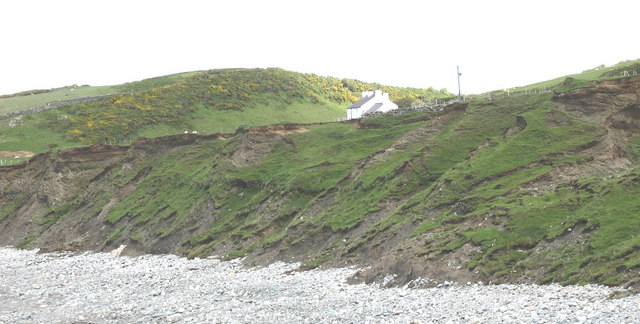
(102, 288)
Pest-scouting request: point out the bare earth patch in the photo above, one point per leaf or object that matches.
(15, 155)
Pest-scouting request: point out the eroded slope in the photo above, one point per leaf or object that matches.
(533, 188)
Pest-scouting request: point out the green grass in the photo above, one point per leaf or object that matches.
(216, 101)
(443, 180)
(13, 161)
(293, 173)
(41, 99)
(114, 236)
(25, 243)
(183, 181)
(54, 215)
(318, 161)
(219, 99)
(39, 133)
(152, 83)
(317, 262)
(589, 75)
(11, 207)
(227, 121)
(492, 179)
(490, 182)
(26, 101)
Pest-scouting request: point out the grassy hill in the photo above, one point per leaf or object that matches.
(530, 188)
(585, 78)
(217, 101)
(35, 98)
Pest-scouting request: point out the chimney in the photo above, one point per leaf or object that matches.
(378, 93)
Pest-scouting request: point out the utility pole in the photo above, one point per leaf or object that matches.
(459, 74)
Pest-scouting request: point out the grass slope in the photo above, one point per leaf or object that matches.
(588, 76)
(36, 98)
(519, 189)
(210, 102)
(28, 100)
(483, 174)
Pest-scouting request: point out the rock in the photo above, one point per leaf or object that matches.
(174, 317)
(117, 252)
(95, 287)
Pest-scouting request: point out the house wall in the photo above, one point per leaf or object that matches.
(355, 113)
(379, 97)
(387, 103)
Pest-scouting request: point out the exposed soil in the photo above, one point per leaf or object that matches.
(15, 155)
(51, 184)
(613, 105)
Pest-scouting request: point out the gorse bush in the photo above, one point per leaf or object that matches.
(119, 117)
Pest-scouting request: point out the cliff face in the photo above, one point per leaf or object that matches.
(536, 188)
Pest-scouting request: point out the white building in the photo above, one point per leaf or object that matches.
(371, 101)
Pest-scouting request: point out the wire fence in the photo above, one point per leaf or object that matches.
(508, 92)
(13, 161)
(432, 105)
(52, 105)
(623, 73)
(633, 72)
(124, 142)
(546, 89)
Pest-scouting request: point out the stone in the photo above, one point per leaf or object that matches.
(95, 287)
(117, 252)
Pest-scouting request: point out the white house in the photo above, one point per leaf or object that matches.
(371, 101)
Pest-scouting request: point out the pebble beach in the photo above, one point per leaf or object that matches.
(102, 288)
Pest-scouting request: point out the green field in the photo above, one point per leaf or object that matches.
(17, 103)
(217, 101)
(72, 92)
(598, 73)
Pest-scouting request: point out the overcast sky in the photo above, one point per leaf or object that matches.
(497, 44)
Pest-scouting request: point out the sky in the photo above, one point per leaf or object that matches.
(497, 44)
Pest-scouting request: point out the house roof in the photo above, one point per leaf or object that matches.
(360, 102)
(374, 108)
